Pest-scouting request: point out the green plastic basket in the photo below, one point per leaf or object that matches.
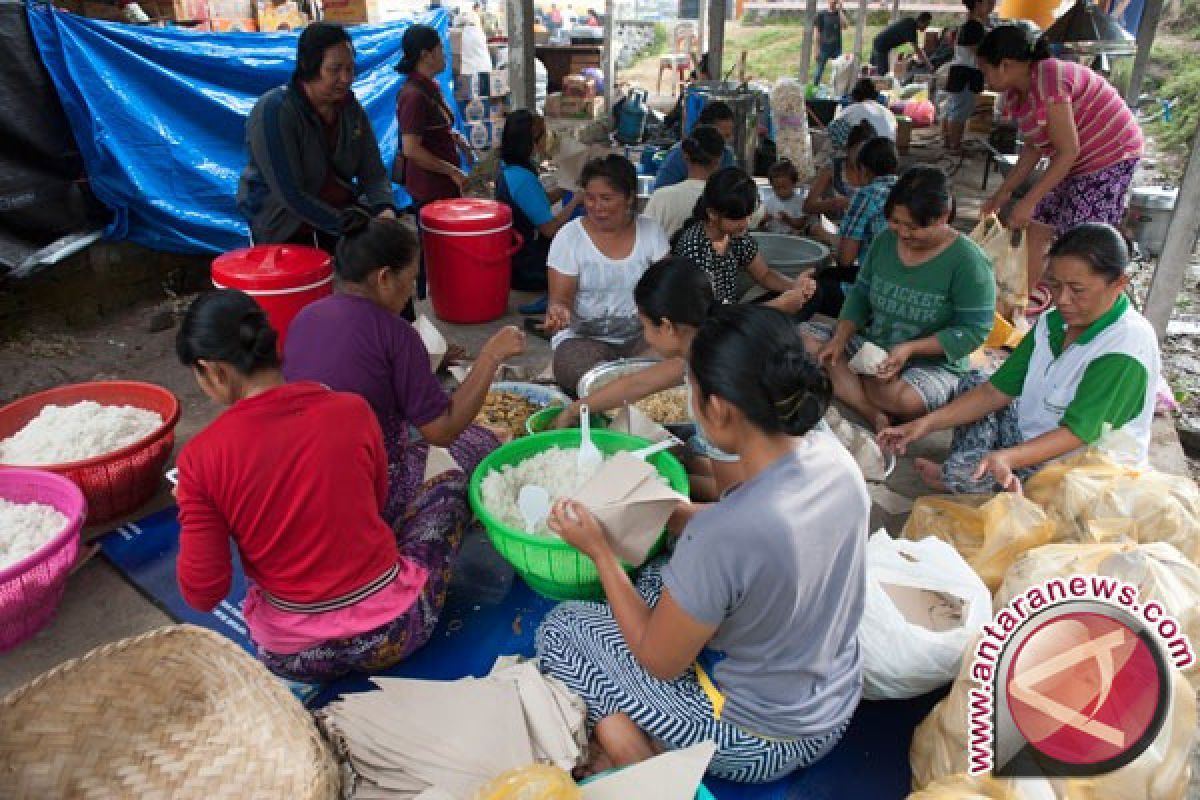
(549, 565)
(540, 421)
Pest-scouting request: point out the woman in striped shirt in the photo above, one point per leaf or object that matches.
(1070, 114)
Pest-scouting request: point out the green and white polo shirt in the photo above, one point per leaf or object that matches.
(1108, 375)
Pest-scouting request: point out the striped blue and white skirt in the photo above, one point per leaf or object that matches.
(581, 645)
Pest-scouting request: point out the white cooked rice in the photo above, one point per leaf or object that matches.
(62, 434)
(24, 527)
(555, 470)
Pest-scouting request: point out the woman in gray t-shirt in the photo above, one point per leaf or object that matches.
(748, 635)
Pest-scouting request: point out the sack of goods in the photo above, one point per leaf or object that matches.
(1007, 251)
(985, 787)
(940, 750)
(1093, 497)
(924, 606)
(1158, 570)
(990, 532)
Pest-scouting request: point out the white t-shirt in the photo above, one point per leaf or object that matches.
(881, 117)
(475, 55)
(605, 287)
(793, 207)
(671, 206)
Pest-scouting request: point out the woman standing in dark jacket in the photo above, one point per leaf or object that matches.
(312, 150)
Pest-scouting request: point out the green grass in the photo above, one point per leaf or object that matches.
(774, 51)
(1175, 74)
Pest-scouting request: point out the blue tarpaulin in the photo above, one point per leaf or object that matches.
(160, 113)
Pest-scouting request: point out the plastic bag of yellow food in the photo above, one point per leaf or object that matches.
(1158, 570)
(940, 749)
(535, 782)
(985, 787)
(1092, 497)
(989, 531)
(1006, 249)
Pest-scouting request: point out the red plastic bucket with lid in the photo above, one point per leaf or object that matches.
(282, 278)
(468, 245)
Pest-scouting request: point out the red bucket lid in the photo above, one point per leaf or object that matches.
(271, 266)
(466, 215)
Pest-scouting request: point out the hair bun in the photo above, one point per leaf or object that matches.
(798, 389)
(256, 337)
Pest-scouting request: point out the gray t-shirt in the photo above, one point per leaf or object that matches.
(779, 567)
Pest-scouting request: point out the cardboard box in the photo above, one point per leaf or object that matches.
(232, 10)
(455, 36)
(579, 86)
(353, 12)
(233, 25)
(279, 16)
(181, 10)
(498, 83)
(574, 107)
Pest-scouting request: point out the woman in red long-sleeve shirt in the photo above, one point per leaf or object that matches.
(297, 476)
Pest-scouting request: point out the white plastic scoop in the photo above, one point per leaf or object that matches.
(645, 452)
(534, 504)
(589, 457)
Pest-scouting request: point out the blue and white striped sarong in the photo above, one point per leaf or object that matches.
(581, 645)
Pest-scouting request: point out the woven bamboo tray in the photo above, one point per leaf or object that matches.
(179, 712)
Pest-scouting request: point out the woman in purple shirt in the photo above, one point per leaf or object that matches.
(356, 341)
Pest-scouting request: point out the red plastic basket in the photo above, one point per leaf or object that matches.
(30, 590)
(116, 483)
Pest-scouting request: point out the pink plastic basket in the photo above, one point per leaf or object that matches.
(31, 589)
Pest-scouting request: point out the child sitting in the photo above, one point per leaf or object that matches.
(784, 204)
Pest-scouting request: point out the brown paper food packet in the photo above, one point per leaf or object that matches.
(632, 504)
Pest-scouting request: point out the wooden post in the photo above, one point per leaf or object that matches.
(611, 49)
(1172, 267)
(806, 46)
(860, 30)
(895, 10)
(521, 71)
(1151, 14)
(701, 30)
(716, 38)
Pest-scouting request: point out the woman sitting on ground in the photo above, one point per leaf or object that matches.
(925, 293)
(1090, 363)
(356, 341)
(747, 635)
(829, 194)
(673, 299)
(715, 239)
(297, 476)
(671, 206)
(518, 187)
(595, 262)
(871, 168)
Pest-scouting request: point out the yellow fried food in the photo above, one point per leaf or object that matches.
(507, 411)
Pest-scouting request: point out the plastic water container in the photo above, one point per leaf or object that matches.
(469, 245)
(282, 278)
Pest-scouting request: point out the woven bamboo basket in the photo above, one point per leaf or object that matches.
(176, 713)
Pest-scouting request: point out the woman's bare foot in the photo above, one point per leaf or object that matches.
(598, 762)
(931, 474)
(623, 741)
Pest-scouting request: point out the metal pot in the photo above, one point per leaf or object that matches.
(748, 104)
(791, 255)
(1149, 215)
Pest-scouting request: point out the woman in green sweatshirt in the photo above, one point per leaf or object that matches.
(925, 294)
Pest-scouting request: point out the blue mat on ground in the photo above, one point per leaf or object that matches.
(490, 613)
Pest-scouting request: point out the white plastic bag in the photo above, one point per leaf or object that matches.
(924, 607)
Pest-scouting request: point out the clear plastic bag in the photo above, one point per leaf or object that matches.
(1008, 254)
(924, 607)
(535, 782)
(985, 787)
(989, 531)
(1094, 498)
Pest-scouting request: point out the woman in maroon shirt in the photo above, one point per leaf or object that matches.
(297, 476)
(429, 144)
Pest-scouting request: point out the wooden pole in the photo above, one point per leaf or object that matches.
(701, 29)
(611, 49)
(895, 10)
(860, 30)
(806, 46)
(1172, 267)
(1151, 14)
(716, 38)
(521, 72)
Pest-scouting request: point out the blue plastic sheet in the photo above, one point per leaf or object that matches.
(159, 115)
